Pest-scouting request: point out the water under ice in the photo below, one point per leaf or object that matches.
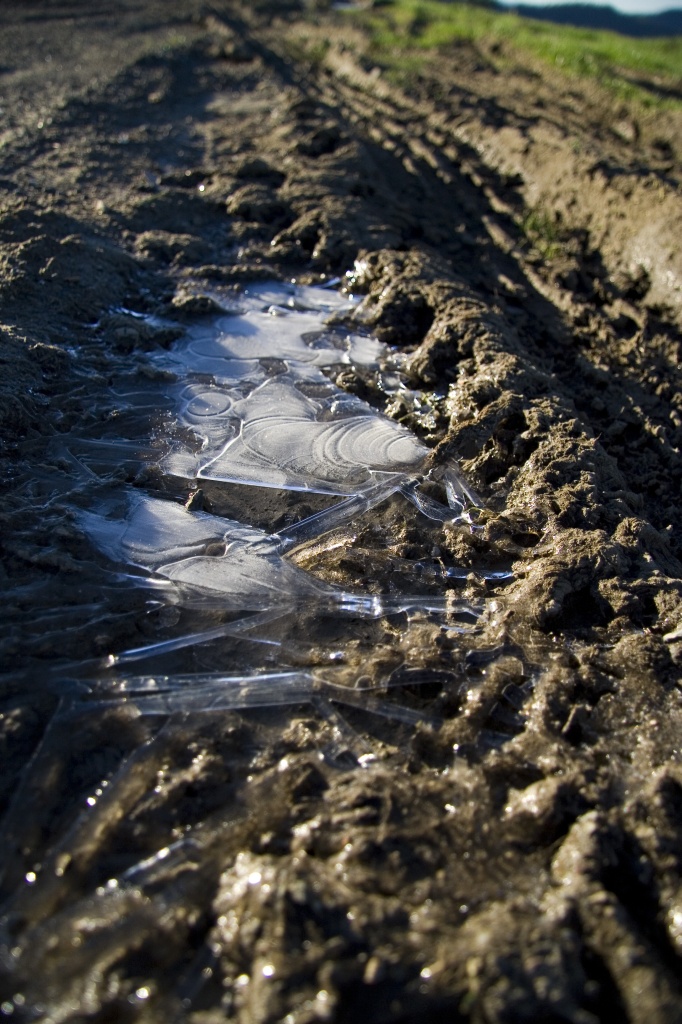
(249, 402)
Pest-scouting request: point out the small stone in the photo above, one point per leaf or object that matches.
(195, 501)
(539, 813)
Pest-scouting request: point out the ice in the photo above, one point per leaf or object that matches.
(229, 629)
(254, 579)
(245, 566)
(211, 692)
(200, 551)
(234, 345)
(287, 439)
(325, 299)
(317, 525)
(146, 532)
(287, 425)
(251, 400)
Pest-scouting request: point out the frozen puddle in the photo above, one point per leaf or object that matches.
(248, 403)
(270, 417)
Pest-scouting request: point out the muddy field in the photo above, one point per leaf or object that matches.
(515, 856)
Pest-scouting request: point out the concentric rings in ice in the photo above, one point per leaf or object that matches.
(286, 439)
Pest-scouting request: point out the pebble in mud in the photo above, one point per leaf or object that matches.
(540, 813)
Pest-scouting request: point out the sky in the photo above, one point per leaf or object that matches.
(625, 6)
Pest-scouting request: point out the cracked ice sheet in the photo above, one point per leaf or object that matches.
(292, 434)
(283, 425)
(216, 563)
(199, 551)
(243, 565)
(270, 422)
(231, 348)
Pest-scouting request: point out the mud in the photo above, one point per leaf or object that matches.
(515, 856)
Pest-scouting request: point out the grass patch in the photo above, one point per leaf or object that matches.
(302, 50)
(543, 234)
(644, 69)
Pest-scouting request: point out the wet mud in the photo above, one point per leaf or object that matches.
(485, 825)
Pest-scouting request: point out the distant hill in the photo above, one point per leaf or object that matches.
(668, 23)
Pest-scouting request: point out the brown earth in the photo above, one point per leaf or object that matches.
(522, 861)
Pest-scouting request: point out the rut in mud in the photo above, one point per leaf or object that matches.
(502, 844)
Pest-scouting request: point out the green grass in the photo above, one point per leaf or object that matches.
(405, 31)
(542, 234)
